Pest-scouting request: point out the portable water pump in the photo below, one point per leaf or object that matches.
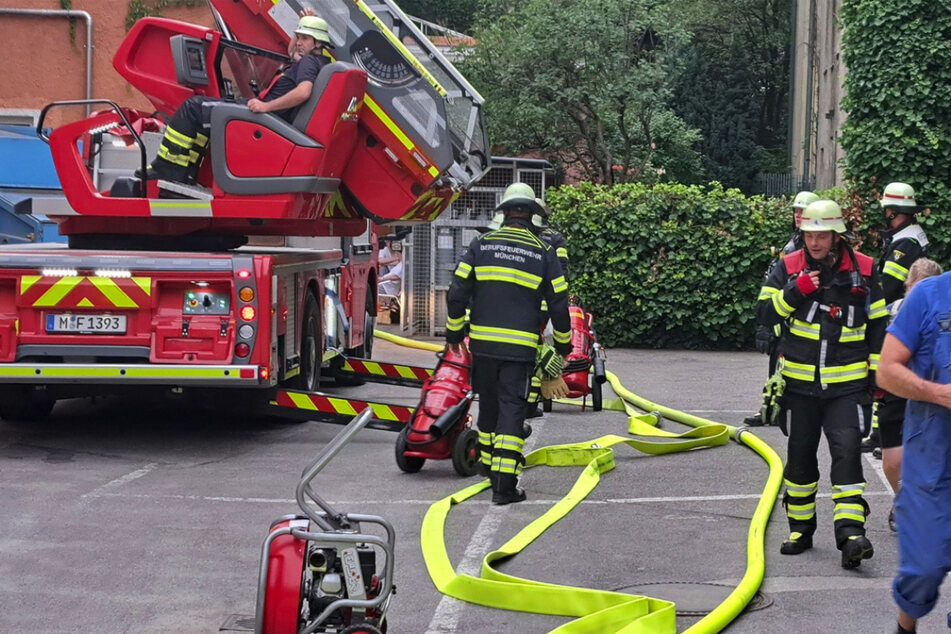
(319, 571)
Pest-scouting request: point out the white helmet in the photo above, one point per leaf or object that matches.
(823, 215)
(900, 197)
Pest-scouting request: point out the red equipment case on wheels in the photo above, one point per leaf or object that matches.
(441, 426)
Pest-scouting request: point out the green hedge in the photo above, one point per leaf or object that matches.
(669, 265)
(898, 101)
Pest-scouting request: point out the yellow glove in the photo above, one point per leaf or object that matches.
(554, 388)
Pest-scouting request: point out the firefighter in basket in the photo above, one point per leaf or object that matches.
(502, 278)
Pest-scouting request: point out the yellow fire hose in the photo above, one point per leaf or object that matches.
(598, 610)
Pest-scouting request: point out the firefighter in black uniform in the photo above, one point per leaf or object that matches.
(767, 338)
(903, 242)
(830, 300)
(502, 278)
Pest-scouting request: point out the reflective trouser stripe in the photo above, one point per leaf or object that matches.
(801, 511)
(506, 465)
(173, 157)
(174, 136)
(848, 511)
(875, 415)
(800, 490)
(535, 389)
(485, 447)
(512, 443)
(840, 491)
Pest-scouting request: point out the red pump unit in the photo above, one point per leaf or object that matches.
(585, 353)
(441, 426)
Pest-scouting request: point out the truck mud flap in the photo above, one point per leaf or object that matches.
(383, 372)
(334, 409)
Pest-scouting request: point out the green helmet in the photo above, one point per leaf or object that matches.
(804, 199)
(520, 195)
(315, 27)
(823, 215)
(900, 197)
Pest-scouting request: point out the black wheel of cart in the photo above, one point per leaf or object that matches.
(465, 453)
(406, 463)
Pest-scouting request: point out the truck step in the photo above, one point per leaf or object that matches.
(195, 192)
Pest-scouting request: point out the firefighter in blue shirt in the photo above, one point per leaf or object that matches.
(502, 278)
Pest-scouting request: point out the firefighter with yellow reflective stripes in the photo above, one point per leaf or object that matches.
(186, 135)
(831, 303)
(502, 278)
(903, 242)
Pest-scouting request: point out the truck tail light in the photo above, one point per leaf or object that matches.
(242, 350)
(248, 313)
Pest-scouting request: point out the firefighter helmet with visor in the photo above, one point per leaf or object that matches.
(823, 215)
(315, 27)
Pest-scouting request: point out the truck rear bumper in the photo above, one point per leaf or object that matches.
(135, 374)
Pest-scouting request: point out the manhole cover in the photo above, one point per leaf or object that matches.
(694, 599)
(237, 623)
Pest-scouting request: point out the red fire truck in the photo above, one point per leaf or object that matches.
(255, 276)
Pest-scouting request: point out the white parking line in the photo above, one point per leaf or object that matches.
(109, 487)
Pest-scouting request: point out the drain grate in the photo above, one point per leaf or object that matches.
(238, 623)
(694, 599)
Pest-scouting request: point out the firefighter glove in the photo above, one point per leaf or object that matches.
(554, 387)
(764, 339)
(806, 284)
(550, 362)
(771, 410)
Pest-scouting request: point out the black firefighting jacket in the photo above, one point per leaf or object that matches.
(502, 278)
(901, 248)
(832, 337)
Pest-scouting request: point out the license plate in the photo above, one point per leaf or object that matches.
(86, 324)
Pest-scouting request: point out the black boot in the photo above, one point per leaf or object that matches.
(796, 544)
(855, 549)
(902, 630)
(505, 491)
(756, 420)
(534, 410)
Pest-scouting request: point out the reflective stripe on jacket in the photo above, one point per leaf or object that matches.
(833, 337)
(503, 277)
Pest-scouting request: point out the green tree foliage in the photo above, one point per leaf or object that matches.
(734, 87)
(898, 100)
(453, 14)
(585, 83)
(669, 265)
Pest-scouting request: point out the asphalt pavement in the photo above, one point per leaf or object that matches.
(125, 515)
